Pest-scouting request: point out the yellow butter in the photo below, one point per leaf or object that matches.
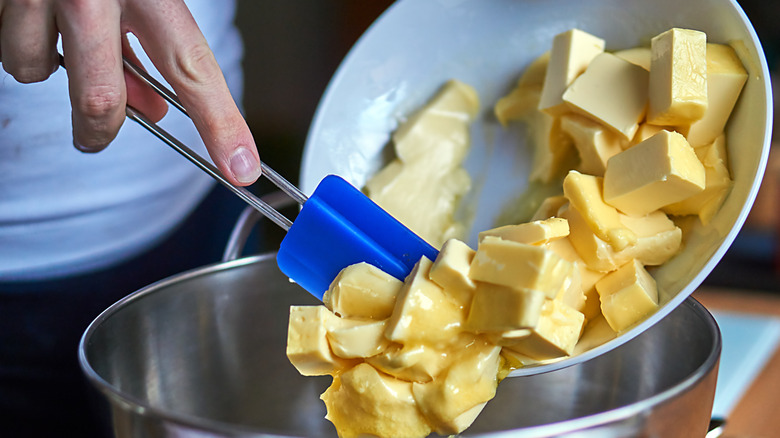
(549, 207)
(307, 343)
(453, 401)
(613, 92)
(423, 312)
(587, 300)
(678, 77)
(499, 309)
(359, 339)
(571, 53)
(414, 362)
(725, 78)
(638, 56)
(657, 172)
(519, 266)
(450, 270)
(524, 98)
(536, 232)
(645, 131)
(362, 291)
(554, 151)
(594, 143)
(627, 295)
(362, 402)
(555, 334)
(584, 193)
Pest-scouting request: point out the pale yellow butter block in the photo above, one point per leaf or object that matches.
(549, 207)
(363, 401)
(362, 291)
(725, 78)
(536, 232)
(423, 312)
(659, 171)
(554, 151)
(584, 193)
(646, 131)
(555, 335)
(524, 98)
(717, 184)
(519, 266)
(627, 295)
(571, 53)
(450, 270)
(307, 343)
(500, 309)
(586, 300)
(415, 362)
(453, 401)
(637, 55)
(612, 91)
(595, 144)
(678, 77)
(358, 339)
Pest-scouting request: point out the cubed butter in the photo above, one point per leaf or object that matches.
(594, 143)
(358, 339)
(362, 291)
(571, 53)
(423, 312)
(519, 266)
(584, 193)
(549, 207)
(453, 401)
(555, 335)
(725, 78)
(524, 98)
(554, 152)
(414, 362)
(627, 295)
(307, 342)
(646, 131)
(678, 77)
(657, 172)
(450, 270)
(536, 232)
(363, 401)
(499, 309)
(638, 56)
(612, 91)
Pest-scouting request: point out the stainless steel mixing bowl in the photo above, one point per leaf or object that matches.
(202, 354)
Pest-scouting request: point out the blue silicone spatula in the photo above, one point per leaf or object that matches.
(336, 227)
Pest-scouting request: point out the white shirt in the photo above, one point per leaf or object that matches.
(64, 212)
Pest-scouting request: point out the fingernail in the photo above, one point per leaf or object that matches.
(244, 165)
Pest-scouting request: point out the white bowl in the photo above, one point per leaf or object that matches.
(415, 46)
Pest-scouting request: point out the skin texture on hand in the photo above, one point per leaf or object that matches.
(94, 40)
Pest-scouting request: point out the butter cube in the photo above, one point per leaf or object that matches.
(594, 143)
(571, 53)
(362, 291)
(627, 295)
(549, 207)
(717, 184)
(414, 362)
(423, 312)
(519, 266)
(678, 77)
(499, 309)
(553, 149)
(555, 335)
(524, 98)
(453, 401)
(659, 171)
(307, 343)
(725, 78)
(612, 91)
(586, 300)
(638, 56)
(584, 193)
(364, 402)
(450, 270)
(358, 339)
(646, 131)
(536, 232)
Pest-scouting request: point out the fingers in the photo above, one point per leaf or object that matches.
(28, 40)
(139, 95)
(91, 44)
(180, 52)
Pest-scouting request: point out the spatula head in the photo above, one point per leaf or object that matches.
(339, 226)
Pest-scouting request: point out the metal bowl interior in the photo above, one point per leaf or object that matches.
(416, 46)
(204, 353)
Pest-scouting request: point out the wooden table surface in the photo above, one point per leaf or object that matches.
(757, 414)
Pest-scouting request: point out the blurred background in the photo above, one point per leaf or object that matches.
(292, 48)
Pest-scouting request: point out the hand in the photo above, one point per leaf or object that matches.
(93, 41)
